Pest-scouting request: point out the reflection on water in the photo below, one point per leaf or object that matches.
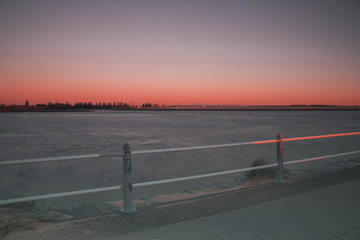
(32, 135)
(26, 135)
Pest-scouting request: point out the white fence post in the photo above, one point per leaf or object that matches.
(280, 159)
(128, 207)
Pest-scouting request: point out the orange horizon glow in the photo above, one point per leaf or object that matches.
(205, 90)
(171, 98)
(139, 91)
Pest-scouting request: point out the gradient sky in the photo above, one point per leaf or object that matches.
(232, 52)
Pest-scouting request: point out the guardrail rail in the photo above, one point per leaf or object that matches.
(127, 186)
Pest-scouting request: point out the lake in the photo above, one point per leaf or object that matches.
(48, 134)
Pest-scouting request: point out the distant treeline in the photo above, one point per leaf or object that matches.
(269, 108)
(89, 106)
(78, 106)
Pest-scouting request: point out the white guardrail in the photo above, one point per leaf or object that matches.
(127, 185)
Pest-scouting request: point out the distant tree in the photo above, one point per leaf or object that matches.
(146, 105)
(126, 106)
(90, 105)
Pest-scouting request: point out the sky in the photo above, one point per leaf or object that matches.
(225, 52)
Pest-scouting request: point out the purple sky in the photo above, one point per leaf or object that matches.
(180, 52)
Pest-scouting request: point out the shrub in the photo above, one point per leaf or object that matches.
(265, 172)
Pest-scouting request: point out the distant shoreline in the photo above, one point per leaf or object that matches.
(89, 106)
(257, 108)
(248, 108)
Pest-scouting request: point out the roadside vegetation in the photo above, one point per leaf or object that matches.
(24, 216)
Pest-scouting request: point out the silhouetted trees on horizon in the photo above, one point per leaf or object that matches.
(77, 106)
(104, 105)
(90, 106)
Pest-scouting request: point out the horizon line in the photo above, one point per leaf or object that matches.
(150, 104)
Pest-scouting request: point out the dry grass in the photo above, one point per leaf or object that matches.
(14, 220)
(25, 216)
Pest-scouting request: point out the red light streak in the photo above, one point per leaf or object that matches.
(265, 141)
(306, 138)
(320, 136)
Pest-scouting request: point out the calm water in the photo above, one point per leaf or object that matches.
(33, 135)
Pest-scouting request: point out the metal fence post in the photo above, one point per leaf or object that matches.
(280, 159)
(128, 207)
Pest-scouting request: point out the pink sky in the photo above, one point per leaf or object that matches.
(230, 52)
